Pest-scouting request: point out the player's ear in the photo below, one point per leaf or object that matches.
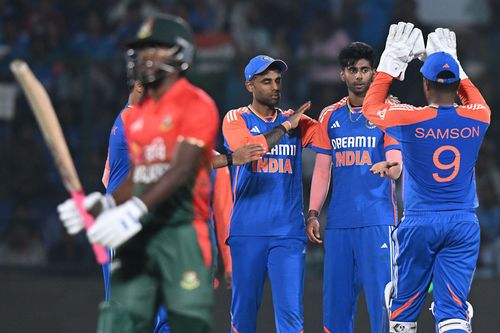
(250, 86)
(342, 75)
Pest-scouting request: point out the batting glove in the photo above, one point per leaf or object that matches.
(444, 40)
(70, 216)
(400, 42)
(115, 226)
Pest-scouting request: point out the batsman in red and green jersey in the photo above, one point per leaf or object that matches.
(161, 236)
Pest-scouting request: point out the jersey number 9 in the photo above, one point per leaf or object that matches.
(454, 164)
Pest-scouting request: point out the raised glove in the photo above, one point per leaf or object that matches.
(398, 49)
(418, 50)
(115, 226)
(70, 216)
(444, 40)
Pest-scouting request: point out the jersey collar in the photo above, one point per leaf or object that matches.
(271, 119)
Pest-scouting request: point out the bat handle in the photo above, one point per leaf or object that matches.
(88, 220)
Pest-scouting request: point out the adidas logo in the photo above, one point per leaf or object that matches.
(255, 129)
(335, 124)
(384, 246)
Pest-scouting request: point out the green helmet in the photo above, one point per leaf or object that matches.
(162, 30)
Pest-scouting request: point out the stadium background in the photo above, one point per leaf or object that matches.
(48, 280)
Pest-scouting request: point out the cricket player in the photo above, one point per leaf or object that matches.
(267, 235)
(362, 211)
(438, 237)
(163, 247)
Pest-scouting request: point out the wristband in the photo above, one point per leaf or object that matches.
(287, 125)
(312, 213)
(229, 159)
(282, 128)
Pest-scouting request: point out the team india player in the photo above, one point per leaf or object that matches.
(438, 238)
(267, 235)
(362, 210)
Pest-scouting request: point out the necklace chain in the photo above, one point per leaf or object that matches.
(351, 112)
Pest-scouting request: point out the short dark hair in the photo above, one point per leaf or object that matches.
(444, 87)
(355, 51)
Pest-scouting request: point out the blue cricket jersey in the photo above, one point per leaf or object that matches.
(267, 193)
(440, 145)
(359, 198)
(118, 162)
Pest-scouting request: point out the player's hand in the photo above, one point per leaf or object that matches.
(418, 51)
(294, 120)
(248, 153)
(70, 216)
(398, 52)
(393, 100)
(228, 278)
(312, 230)
(444, 40)
(115, 226)
(382, 168)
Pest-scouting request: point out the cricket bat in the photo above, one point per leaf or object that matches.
(51, 129)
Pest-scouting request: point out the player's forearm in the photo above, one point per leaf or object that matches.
(275, 135)
(394, 155)
(168, 184)
(125, 190)
(374, 106)
(183, 169)
(220, 161)
(469, 94)
(320, 182)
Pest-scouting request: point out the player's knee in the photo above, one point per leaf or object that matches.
(402, 327)
(454, 326)
(455, 322)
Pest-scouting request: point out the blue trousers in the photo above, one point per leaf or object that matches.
(441, 247)
(281, 259)
(356, 258)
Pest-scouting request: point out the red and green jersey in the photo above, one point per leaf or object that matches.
(153, 131)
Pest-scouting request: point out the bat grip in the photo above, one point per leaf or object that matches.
(88, 221)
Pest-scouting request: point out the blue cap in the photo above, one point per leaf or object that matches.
(260, 63)
(437, 63)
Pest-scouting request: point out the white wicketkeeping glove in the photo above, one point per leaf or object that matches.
(400, 42)
(117, 225)
(418, 50)
(444, 40)
(70, 216)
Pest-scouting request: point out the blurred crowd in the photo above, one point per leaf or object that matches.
(76, 48)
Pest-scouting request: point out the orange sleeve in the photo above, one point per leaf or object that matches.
(385, 115)
(322, 141)
(222, 206)
(308, 127)
(200, 129)
(389, 141)
(473, 104)
(237, 134)
(105, 175)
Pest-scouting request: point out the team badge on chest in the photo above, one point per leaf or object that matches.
(166, 123)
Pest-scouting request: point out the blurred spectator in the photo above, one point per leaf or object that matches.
(21, 244)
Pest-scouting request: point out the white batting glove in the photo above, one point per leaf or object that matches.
(444, 40)
(115, 226)
(70, 216)
(400, 42)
